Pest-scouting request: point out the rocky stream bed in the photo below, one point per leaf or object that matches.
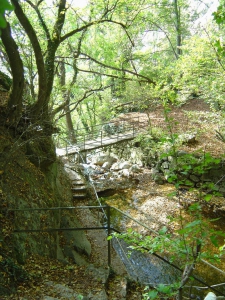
(131, 188)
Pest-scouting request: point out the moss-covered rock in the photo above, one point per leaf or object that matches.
(5, 81)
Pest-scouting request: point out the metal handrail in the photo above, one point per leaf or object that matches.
(108, 228)
(85, 141)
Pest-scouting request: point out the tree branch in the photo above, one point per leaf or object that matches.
(86, 26)
(174, 51)
(40, 17)
(113, 76)
(85, 96)
(118, 69)
(39, 2)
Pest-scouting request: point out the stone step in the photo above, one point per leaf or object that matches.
(83, 192)
(79, 192)
(78, 182)
(79, 188)
(79, 196)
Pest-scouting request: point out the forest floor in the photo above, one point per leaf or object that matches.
(194, 117)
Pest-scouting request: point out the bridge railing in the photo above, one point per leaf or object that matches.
(109, 128)
(106, 133)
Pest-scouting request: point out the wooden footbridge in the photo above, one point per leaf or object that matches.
(105, 135)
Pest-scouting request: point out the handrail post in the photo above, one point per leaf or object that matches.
(101, 137)
(84, 141)
(108, 233)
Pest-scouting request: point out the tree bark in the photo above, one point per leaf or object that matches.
(66, 96)
(178, 27)
(41, 106)
(16, 64)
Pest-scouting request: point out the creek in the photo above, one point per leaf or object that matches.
(151, 206)
(149, 203)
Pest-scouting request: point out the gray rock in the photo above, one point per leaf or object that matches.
(106, 165)
(100, 274)
(124, 165)
(165, 165)
(135, 169)
(154, 171)
(115, 167)
(170, 158)
(222, 189)
(181, 153)
(61, 291)
(159, 179)
(194, 178)
(101, 159)
(210, 296)
(75, 240)
(72, 174)
(101, 295)
(166, 173)
(124, 173)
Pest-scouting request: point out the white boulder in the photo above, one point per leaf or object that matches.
(210, 296)
(135, 169)
(124, 165)
(106, 165)
(115, 167)
(103, 158)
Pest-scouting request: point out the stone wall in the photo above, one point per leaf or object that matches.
(192, 170)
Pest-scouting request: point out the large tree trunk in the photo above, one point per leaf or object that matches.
(41, 108)
(69, 123)
(16, 93)
(66, 96)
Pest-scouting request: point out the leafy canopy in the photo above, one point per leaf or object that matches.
(4, 5)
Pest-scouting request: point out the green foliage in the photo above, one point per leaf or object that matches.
(4, 6)
(160, 290)
(198, 72)
(188, 243)
(219, 15)
(5, 81)
(193, 164)
(152, 143)
(179, 247)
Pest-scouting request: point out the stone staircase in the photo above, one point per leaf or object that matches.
(78, 184)
(79, 189)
